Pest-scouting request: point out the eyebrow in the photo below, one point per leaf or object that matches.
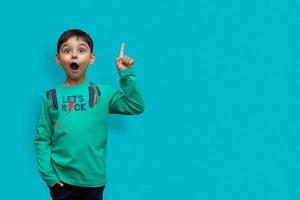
(83, 44)
(64, 45)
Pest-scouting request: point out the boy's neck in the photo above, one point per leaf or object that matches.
(72, 82)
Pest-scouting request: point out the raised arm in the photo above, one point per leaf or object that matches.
(128, 100)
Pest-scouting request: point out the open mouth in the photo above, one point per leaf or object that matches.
(74, 66)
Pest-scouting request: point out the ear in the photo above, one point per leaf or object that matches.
(92, 58)
(57, 59)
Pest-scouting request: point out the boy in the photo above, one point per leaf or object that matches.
(71, 137)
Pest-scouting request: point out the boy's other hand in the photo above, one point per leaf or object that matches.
(60, 184)
(123, 62)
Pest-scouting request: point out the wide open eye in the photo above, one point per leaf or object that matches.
(67, 50)
(81, 50)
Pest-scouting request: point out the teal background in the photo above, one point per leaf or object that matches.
(220, 81)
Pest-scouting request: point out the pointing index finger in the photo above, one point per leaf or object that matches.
(122, 50)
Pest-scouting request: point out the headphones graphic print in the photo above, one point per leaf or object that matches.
(94, 97)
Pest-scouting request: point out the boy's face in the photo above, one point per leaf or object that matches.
(75, 56)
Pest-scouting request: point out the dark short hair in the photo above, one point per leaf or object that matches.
(77, 33)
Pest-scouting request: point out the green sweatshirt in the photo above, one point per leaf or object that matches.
(70, 141)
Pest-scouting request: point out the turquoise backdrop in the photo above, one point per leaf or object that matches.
(221, 85)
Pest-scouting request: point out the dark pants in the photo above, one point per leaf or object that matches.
(71, 192)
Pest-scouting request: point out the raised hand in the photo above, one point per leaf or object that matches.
(123, 62)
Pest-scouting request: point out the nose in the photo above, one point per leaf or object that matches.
(74, 55)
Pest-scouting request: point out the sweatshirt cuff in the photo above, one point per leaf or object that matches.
(52, 182)
(125, 72)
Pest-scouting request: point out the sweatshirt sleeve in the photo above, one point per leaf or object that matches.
(42, 144)
(127, 100)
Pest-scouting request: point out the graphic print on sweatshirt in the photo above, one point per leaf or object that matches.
(73, 103)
